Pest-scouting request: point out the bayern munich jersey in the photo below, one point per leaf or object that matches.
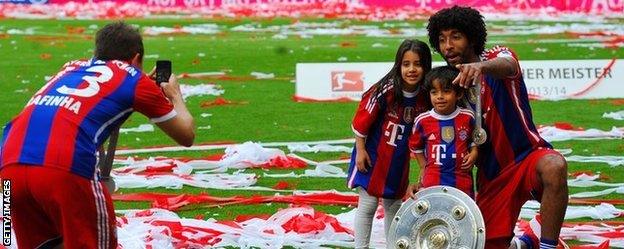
(508, 121)
(65, 122)
(444, 140)
(387, 132)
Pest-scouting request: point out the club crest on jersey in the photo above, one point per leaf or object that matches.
(448, 134)
(408, 115)
(463, 135)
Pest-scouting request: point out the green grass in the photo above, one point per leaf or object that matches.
(269, 113)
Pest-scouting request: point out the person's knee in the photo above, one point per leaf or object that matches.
(367, 208)
(553, 170)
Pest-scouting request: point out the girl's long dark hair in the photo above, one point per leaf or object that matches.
(394, 77)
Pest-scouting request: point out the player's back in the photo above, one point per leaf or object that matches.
(64, 122)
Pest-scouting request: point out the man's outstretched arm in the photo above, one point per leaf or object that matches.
(499, 67)
(181, 127)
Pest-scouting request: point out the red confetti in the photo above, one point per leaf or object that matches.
(617, 102)
(285, 163)
(220, 101)
(564, 126)
(45, 56)
(281, 185)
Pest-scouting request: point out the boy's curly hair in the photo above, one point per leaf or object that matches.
(465, 19)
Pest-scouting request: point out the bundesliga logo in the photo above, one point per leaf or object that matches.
(347, 81)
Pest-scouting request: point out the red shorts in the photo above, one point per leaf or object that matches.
(501, 199)
(50, 205)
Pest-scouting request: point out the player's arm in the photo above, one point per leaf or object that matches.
(499, 67)
(181, 127)
(499, 64)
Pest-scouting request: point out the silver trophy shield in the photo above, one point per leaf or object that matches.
(441, 217)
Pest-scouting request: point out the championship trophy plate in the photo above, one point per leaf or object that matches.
(440, 217)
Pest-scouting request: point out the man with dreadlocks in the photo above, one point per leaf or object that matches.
(515, 164)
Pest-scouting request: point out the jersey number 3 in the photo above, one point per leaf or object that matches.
(94, 82)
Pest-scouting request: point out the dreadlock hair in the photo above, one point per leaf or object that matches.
(394, 78)
(465, 19)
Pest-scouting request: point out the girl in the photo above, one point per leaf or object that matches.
(382, 124)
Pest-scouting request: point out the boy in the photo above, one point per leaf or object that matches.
(442, 137)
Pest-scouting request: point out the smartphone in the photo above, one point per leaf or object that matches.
(163, 71)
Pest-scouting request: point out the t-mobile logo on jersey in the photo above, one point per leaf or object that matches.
(438, 152)
(394, 132)
(347, 81)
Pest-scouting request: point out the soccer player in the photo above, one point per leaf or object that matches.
(515, 164)
(382, 125)
(49, 149)
(442, 137)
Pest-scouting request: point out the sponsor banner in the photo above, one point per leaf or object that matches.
(545, 79)
(25, 1)
(328, 81)
(518, 6)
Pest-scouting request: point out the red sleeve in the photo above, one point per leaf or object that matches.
(416, 143)
(501, 52)
(367, 112)
(151, 102)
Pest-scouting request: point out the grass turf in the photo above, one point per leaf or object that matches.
(269, 114)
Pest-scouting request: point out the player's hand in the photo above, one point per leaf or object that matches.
(469, 74)
(362, 161)
(171, 88)
(412, 189)
(469, 161)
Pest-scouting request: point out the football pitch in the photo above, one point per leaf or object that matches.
(263, 110)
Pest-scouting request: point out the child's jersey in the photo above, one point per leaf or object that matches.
(387, 130)
(444, 140)
(508, 121)
(65, 122)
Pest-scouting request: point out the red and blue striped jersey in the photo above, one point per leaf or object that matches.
(508, 121)
(444, 140)
(387, 130)
(65, 122)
